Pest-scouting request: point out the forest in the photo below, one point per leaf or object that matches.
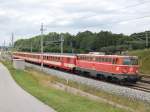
(83, 42)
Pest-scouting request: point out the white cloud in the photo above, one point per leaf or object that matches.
(25, 16)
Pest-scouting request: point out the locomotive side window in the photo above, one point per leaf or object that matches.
(83, 58)
(98, 59)
(110, 60)
(89, 58)
(106, 60)
(80, 57)
(101, 59)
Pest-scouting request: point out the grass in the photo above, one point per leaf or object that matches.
(144, 57)
(57, 99)
(136, 105)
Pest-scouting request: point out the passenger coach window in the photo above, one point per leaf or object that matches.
(97, 59)
(114, 61)
(68, 59)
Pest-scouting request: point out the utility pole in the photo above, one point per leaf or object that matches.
(31, 47)
(4, 46)
(12, 45)
(42, 29)
(146, 39)
(71, 47)
(61, 44)
(12, 40)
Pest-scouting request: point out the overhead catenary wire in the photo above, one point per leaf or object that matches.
(132, 19)
(131, 6)
(137, 19)
(128, 7)
(135, 5)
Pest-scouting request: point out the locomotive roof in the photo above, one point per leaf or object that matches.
(59, 55)
(51, 54)
(106, 55)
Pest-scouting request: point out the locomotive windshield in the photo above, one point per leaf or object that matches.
(130, 61)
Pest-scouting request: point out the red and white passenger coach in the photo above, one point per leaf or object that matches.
(110, 67)
(52, 60)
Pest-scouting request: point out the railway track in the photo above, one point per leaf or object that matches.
(142, 87)
(143, 84)
(145, 79)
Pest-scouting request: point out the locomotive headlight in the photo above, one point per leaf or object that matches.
(137, 71)
(131, 69)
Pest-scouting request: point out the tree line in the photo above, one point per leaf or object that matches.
(82, 42)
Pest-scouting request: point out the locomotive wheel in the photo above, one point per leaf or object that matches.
(116, 80)
(100, 76)
(78, 72)
(109, 78)
(86, 74)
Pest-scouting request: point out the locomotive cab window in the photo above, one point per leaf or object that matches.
(130, 61)
(126, 61)
(134, 61)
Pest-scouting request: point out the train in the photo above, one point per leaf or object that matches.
(115, 68)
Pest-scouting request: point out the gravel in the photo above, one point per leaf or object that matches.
(107, 87)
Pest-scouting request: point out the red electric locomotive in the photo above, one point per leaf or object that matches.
(110, 67)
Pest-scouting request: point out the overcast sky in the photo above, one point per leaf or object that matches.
(23, 17)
